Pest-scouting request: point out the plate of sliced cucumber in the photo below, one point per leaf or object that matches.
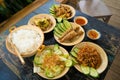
(89, 58)
(52, 62)
(68, 33)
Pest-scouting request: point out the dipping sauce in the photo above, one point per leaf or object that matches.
(93, 34)
(81, 20)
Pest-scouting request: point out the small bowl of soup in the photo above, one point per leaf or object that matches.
(82, 21)
(93, 34)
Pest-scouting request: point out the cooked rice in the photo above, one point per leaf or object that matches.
(26, 40)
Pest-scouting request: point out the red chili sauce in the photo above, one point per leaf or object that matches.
(80, 21)
(93, 34)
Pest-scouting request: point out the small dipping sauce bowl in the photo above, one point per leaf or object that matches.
(82, 21)
(93, 34)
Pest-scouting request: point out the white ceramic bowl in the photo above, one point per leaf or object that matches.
(81, 20)
(93, 34)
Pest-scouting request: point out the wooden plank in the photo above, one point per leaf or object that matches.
(114, 6)
(114, 72)
(21, 14)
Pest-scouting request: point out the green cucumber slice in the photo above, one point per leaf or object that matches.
(76, 50)
(58, 51)
(85, 69)
(57, 70)
(93, 72)
(48, 73)
(58, 31)
(51, 9)
(59, 20)
(65, 55)
(73, 54)
(63, 27)
(74, 60)
(67, 24)
(38, 60)
(57, 34)
(60, 28)
(56, 47)
(68, 63)
(51, 12)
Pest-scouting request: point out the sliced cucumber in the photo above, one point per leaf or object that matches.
(74, 60)
(62, 58)
(51, 9)
(65, 55)
(67, 24)
(48, 51)
(51, 12)
(38, 60)
(73, 54)
(59, 26)
(63, 27)
(58, 51)
(93, 72)
(57, 34)
(85, 69)
(57, 70)
(68, 63)
(56, 47)
(76, 50)
(48, 73)
(59, 20)
(58, 31)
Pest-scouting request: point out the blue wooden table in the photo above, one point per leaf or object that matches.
(11, 68)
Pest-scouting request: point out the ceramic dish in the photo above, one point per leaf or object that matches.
(20, 30)
(93, 34)
(103, 56)
(81, 20)
(74, 40)
(44, 21)
(62, 12)
(42, 71)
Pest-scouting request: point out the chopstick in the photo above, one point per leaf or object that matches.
(18, 54)
(15, 48)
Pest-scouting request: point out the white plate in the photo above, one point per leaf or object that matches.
(76, 39)
(72, 10)
(31, 21)
(62, 73)
(104, 59)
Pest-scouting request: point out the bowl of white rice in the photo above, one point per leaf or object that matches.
(26, 38)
